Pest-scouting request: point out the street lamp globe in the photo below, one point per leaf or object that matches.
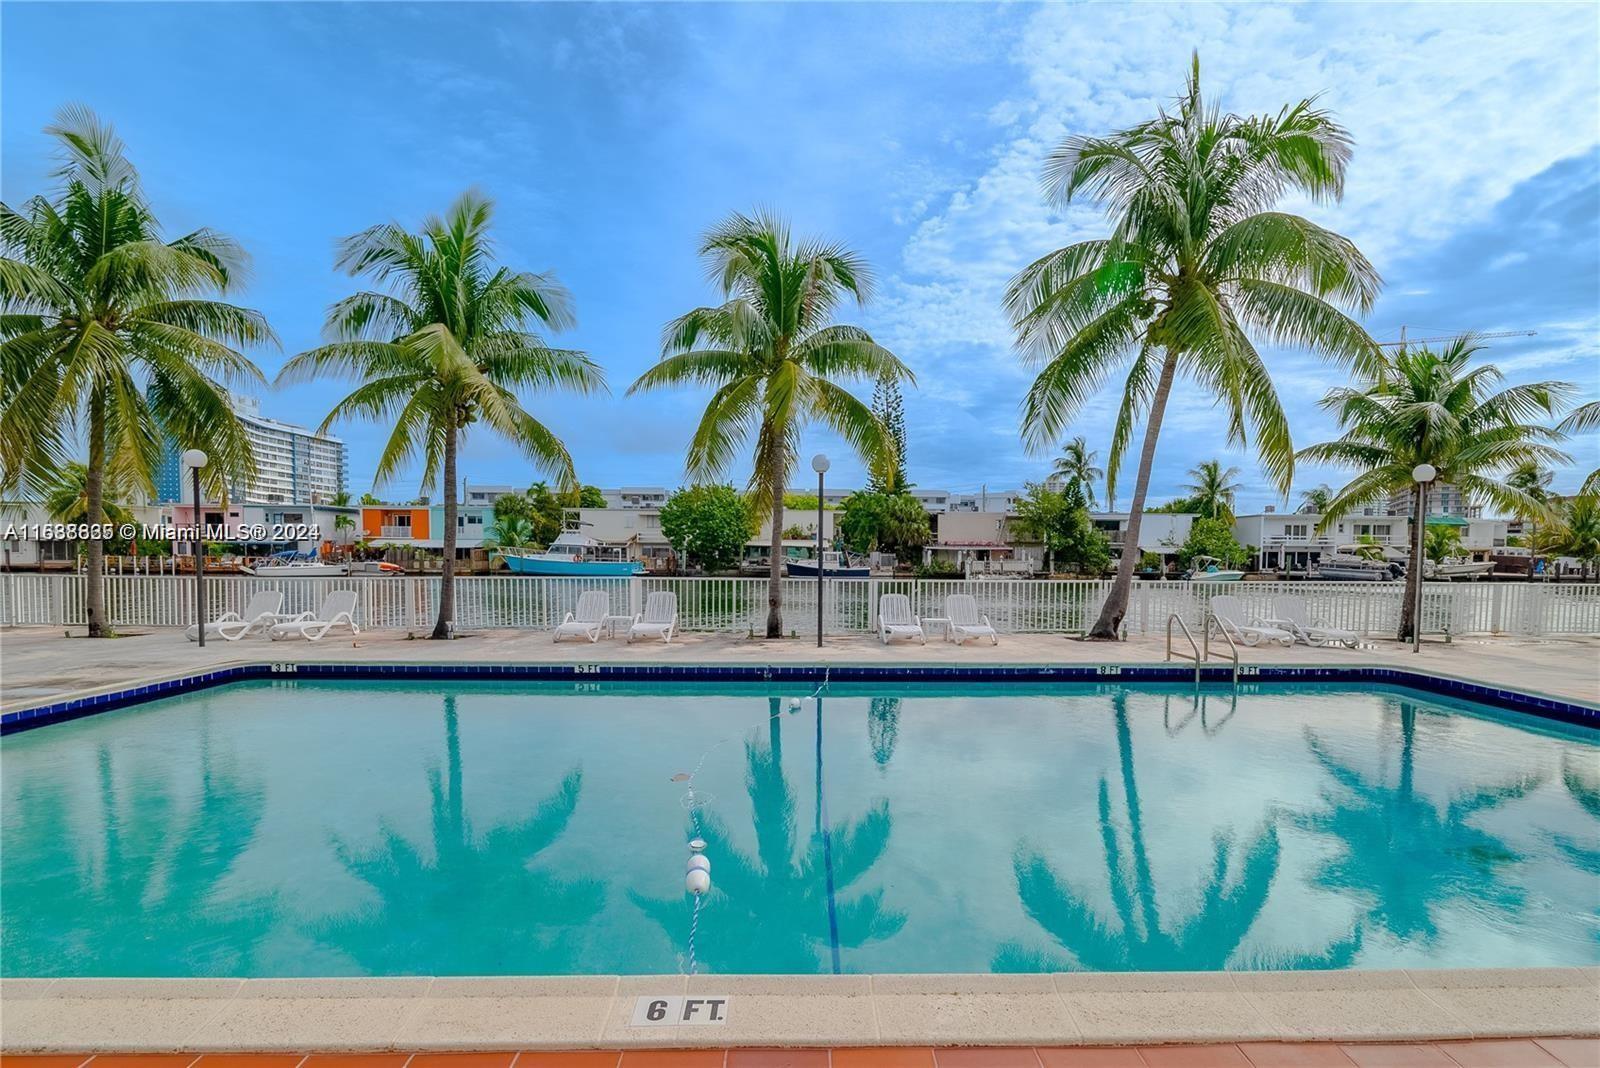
(1424, 472)
(195, 458)
(819, 463)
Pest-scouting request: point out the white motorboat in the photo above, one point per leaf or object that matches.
(1458, 567)
(1205, 569)
(1357, 563)
(295, 564)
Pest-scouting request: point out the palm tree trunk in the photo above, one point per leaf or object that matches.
(447, 573)
(1408, 609)
(95, 491)
(775, 478)
(1109, 626)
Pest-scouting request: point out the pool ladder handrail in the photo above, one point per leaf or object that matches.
(1233, 649)
(1195, 655)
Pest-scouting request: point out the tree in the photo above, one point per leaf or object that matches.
(1194, 261)
(1424, 406)
(1534, 481)
(67, 498)
(340, 499)
(890, 408)
(342, 524)
(511, 532)
(1213, 491)
(1212, 537)
(1583, 418)
(371, 499)
(1440, 542)
(109, 334)
(1314, 501)
(708, 525)
(884, 522)
(1060, 522)
(1576, 533)
(591, 497)
(1076, 466)
(773, 354)
(447, 345)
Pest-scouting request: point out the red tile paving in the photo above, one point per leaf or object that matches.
(1294, 1055)
(986, 1057)
(1510, 1053)
(1407, 1055)
(1492, 1053)
(1573, 1052)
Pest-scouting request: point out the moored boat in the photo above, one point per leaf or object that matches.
(1205, 569)
(571, 554)
(834, 565)
(293, 563)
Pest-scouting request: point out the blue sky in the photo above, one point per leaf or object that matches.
(611, 136)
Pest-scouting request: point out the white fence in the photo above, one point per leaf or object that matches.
(739, 605)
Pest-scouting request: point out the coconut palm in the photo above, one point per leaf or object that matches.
(1195, 265)
(512, 532)
(1230, 897)
(1533, 480)
(67, 498)
(1583, 418)
(1213, 490)
(1427, 406)
(109, 335)
(342, 525)
(1076, 467)
(773, 355)
(447, 345)
(1576, 531)
(1315, 500)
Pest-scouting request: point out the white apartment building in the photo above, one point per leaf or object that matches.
(1290, 541)
(1443, 499)
(293, 464)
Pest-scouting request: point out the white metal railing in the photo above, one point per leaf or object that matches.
(739, 604)
(394, 532)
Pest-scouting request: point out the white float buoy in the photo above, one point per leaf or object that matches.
(697, 845)
(699, 862)
(794, 704)
(697, 881)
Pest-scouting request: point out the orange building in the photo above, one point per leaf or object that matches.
(394, 523)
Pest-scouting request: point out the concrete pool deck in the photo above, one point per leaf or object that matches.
(38, 665)
(597, 1012)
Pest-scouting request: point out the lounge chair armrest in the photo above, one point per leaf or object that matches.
(986, 622)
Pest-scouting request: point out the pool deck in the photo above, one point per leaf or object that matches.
(1136, 1017)
(38, 665)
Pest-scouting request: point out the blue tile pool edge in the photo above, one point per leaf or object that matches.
(1543, 706)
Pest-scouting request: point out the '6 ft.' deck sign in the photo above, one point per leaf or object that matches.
(674, 1009)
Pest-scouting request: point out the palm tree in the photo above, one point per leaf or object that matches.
(1076, 467)
(512, 532)
(773, 353)
(1213, 490)
(1144, 940)
(340, 499)
(1195, 260)
(1576, 532)
(1584, 417)
(1315, 500)
(108, 334)
(1534, 481)
(448, 345)
(1424, 406)
(343, 523)
(67, 498)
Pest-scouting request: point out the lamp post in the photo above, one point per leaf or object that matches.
(819, 464)
(195, 459)
(1423, 474)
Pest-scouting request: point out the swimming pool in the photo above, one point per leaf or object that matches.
(480, 828)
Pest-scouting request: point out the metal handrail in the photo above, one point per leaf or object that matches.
(1175, 618)
(1232, 648)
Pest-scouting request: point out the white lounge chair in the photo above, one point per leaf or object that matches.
(1228, 612)
(966, 621)
(338, 610)
(1316, 632)
(896, 621)
(587, 619)
(659, 618)
(259, 615)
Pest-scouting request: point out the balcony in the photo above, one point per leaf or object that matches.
(395, 532)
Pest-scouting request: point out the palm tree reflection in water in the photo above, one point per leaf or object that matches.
(144, 899)
(1402, 857)
(478, 906)
(768, 912)
(883, 728)
(1142, 939)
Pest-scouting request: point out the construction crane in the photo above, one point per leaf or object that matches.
(1404, 341)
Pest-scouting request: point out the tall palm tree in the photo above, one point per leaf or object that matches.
(447, 345)
(1213, 490)
(1424, 406)
(1195, 263)
(1584, 417)
(67, 498)
(1315, 500)
(109, 333)
(1534, 481)
(343, 524)
(1076, 466)
(1576, 531)
(773, 354)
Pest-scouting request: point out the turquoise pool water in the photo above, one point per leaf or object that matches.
(355, 828)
